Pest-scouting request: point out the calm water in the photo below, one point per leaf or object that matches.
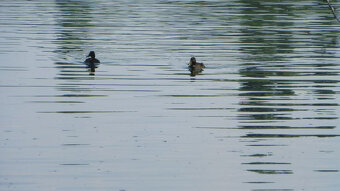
(263, 116)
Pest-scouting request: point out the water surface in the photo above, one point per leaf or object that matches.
(262, 116)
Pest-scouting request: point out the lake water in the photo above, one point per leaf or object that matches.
(263, 116)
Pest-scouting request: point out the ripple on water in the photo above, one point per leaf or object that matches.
(269, 93)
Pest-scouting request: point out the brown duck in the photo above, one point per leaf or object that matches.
(195, 67)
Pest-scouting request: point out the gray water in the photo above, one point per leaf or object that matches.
(263, 115)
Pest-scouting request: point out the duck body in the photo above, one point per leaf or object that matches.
(92, 62)
(195, 67)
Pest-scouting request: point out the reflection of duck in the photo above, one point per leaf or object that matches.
(195, 67)
(92, 62)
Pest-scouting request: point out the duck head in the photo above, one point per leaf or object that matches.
(192, 61)
(91, 54)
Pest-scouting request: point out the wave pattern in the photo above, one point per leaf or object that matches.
(266, 104)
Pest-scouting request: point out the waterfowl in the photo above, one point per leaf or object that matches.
(92, 62)
(195, 67)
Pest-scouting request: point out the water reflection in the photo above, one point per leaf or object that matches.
(73, 25)
(266, 68)
(276, 88)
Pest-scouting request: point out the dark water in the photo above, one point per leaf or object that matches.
(263, 116)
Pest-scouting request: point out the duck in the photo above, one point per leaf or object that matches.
(92, 62)
(195, 67)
